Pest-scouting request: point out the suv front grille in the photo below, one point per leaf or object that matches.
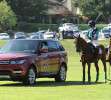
(5, 72)
(2, 62)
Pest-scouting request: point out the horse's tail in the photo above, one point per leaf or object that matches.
(101, 46)
(109, 59)
(104, 50)
(107, 53)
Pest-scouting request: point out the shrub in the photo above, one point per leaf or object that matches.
(7, 17)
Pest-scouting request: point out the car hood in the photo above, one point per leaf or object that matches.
(10, 56)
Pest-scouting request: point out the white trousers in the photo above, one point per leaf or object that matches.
(94, 42)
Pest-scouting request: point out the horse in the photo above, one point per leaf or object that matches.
(89, 56)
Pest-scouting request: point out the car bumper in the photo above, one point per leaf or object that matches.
(13, 70)
(68, 35)
(106, 35)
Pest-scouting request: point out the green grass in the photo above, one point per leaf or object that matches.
(72, 89)
(2, 42)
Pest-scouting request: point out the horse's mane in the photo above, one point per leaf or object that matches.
(82, 40)
(81, 44)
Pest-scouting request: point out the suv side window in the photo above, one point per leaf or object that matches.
(60, 47)
(43, 45)
(52, 46)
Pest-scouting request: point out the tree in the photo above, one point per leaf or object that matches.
(7, 16)
(92, 8)
(28, 8)
(60, 0)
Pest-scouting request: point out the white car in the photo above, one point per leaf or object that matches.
(36, 35)
(106, 31)
(68, 27)
(109, 25)
(49, 35)
(4, 36)
(19, 35)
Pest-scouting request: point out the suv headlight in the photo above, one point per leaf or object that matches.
(17, 61)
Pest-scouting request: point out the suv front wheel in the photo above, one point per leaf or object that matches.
(61, 76)
(30, 78)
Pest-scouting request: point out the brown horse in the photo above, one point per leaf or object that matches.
(89, 56)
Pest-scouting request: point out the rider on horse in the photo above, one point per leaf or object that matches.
(92, 35)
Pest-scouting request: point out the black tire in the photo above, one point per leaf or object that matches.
(61, 76)
(14, 78)
(30, 78)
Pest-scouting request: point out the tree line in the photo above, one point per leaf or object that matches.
(13, 11)
(93, 8)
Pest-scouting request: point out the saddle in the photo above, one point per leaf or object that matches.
(91, 49)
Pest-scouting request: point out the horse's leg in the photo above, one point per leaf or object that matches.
(89, 76)
(83, 65)
(105, 69)
(97, 71)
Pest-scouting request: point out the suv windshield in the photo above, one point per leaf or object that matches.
(26, 46)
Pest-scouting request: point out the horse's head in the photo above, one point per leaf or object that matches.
(79, 43)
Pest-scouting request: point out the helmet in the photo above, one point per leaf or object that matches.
(91, 23)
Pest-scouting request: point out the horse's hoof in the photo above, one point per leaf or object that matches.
(105, 81)
(89, 83)
(83, 82)
(96, 81)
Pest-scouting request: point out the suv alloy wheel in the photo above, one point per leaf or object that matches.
(61, 76)
(30, 78)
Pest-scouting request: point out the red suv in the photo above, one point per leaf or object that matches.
(26, 60)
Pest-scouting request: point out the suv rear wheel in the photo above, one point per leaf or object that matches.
(30, 78)
(61, 76)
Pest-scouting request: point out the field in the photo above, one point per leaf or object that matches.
(72, 89)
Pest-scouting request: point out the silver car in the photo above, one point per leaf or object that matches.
(19, 35)
(4, 36)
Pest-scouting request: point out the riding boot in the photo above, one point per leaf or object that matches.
(91, 48)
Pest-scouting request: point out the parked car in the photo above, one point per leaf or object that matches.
(33, 59)
(4, 36)
(106, 31)
(83, 34)
(19, 35)
(37, 35)
(68, 27)
(50, 35)
(67, 30)
(69, 34)
(109, 25)
(34, 37)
